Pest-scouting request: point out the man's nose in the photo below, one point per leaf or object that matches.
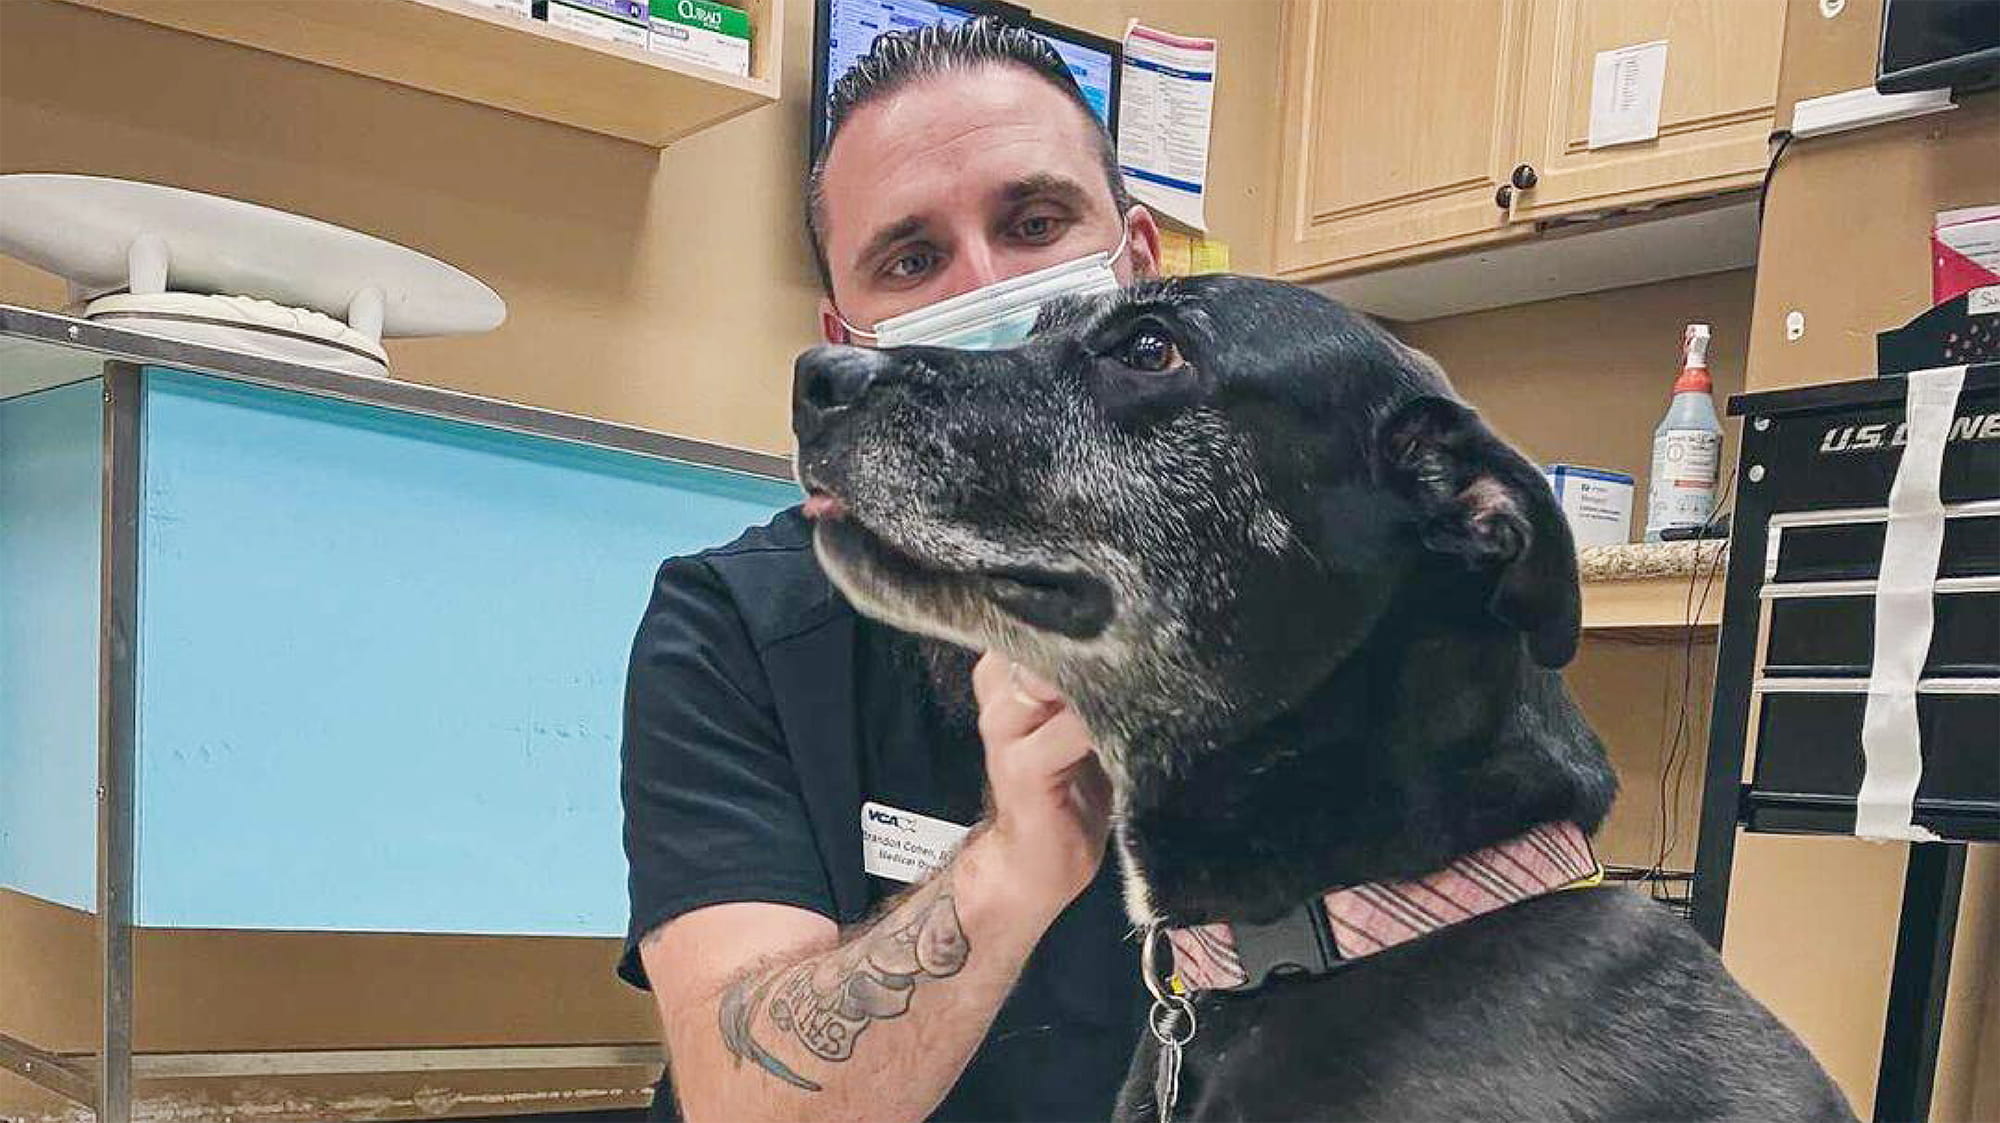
(979, 266)
(829, 379)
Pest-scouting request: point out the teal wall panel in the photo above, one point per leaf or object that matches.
(51, 467)
(382, 661)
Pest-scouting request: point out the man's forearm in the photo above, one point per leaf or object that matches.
(880, 1026)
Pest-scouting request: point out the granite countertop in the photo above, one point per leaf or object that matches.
(1639, 560)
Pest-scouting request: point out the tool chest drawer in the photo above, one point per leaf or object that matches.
(1835, 636)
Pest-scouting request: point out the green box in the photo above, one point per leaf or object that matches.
(707, 15)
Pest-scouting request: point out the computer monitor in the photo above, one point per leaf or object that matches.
(1939, 44)
(846, 28)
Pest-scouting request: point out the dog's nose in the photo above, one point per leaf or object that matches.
(828, 379)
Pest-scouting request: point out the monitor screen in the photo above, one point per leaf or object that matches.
(1935, 44)
(848, 27)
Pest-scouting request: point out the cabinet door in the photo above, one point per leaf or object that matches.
(1399, 120)
(1715, 111)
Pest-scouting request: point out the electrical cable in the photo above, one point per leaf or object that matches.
(1674, 761)
(1770, 167)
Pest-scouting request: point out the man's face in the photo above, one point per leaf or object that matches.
(961, 180)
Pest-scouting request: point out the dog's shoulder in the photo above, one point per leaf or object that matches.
(1656, 981)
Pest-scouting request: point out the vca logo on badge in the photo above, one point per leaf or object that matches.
(1867, 438)
(889, 819)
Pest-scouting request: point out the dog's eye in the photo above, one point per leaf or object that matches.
(1150, 350)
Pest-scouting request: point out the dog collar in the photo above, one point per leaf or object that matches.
(1355, 922)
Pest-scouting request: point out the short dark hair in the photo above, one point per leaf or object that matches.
(899, 58)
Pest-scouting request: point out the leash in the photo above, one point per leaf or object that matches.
(1336, 929)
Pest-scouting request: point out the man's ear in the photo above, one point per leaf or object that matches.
(830, 327)
(1145, 248)
(1481, 501)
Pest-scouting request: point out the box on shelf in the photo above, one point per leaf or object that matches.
(703, 33)
(619, 21)
(1597, 503)
(523, 8)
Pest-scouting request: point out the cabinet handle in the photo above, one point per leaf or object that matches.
(1524, 176)
(1504, 198)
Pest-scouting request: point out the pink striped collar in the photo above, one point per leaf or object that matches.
(1360, 920)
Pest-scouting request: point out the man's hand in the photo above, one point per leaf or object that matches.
(1051, 801)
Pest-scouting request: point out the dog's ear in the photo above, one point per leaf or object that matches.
(1481, 501)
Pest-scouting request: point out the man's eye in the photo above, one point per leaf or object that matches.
(1038, 228)
(910, 265)
(1150, 350)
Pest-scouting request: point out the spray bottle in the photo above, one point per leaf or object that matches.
(1687, 446)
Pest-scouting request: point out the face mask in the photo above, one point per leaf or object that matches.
(999, 315)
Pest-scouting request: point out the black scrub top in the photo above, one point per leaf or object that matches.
(761, 712)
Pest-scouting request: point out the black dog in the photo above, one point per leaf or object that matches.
(1311, 608)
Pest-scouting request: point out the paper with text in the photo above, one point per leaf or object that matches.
(1625, 92)
(1165, 111)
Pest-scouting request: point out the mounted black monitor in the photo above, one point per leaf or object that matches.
(844, 29)
(1939, 44)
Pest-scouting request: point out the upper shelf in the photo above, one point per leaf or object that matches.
(489, 57)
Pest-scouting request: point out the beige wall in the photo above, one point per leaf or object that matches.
(668, 289)
(1845, 238)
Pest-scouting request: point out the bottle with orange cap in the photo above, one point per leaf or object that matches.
(1687, 446)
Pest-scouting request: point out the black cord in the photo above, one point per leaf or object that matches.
(1674, 760)
(1771, 166)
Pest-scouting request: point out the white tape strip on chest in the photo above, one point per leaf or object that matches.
(1904, 615)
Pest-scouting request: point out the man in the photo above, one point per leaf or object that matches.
(797, 976)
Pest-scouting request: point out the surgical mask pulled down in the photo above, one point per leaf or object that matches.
(999, 315)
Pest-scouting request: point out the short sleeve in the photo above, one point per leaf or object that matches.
(713, 811)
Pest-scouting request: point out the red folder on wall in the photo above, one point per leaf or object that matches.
(1965, 252)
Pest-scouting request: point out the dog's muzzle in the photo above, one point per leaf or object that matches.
(828, 380)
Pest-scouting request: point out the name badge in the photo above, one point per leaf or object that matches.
(903, 845)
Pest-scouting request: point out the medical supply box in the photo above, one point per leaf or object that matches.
(615, 21)
(702, 32)
(1597, 503)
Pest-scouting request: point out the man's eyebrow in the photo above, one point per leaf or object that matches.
(888, 236)
(1045, 186)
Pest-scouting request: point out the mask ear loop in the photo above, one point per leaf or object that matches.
(863, 333)
(1111, 259)
(1124, 242)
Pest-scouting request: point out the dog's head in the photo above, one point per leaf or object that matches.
(1185, 504)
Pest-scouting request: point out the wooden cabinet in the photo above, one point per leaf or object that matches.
(1715, 111)
(1404, 119)
(1399, 125)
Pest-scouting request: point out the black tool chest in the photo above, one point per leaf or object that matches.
(1798, 647)
(1797, 640)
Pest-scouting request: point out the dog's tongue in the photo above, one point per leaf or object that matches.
(820, 505)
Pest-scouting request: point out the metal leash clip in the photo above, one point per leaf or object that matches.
(1171, 1020)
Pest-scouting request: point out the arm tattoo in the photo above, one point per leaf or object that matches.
(827, 1003)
